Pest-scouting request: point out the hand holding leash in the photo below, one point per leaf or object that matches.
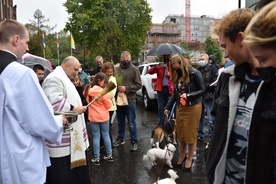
(166, 112)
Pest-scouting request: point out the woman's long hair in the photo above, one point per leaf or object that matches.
(99, 77)
(184, 67)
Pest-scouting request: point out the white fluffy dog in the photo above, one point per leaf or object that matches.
(166, 153)
(170, 180)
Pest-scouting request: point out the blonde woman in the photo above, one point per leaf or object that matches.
(188, 91)
(260, 37)
(108, 69)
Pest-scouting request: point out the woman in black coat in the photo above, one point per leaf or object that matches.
(189, 88)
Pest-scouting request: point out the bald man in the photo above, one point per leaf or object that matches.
(69, 159)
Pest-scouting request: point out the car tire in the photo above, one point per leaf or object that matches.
(146, 100)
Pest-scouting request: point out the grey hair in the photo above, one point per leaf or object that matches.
(125, 53)
(98, 57)
(206, 55)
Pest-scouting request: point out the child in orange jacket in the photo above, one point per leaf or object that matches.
(98, 115)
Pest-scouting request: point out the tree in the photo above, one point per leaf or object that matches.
(212, 47)
(109, 26)
(187, 55)
(36, 28)
(58, 53)
(55, 54)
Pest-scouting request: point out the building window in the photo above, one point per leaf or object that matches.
(173, 20)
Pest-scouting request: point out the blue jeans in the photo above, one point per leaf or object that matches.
(123, 113)
(207, 105)
(201, 124)
(99, 129)
(162, 100)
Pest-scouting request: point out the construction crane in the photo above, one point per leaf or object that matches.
(188, 20)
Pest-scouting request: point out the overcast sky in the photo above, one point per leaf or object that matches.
(56, 12)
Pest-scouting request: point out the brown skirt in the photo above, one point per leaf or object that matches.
(187, 122)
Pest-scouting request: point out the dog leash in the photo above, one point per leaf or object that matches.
(168, 118)
(167, 143)
(171, 114)
(164, 159)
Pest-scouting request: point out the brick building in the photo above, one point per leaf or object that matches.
(7, 10)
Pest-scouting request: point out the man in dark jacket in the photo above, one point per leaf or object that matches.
(229, 156)
(209, 73)
(99, 62)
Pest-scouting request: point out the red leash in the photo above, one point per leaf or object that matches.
(164, 159)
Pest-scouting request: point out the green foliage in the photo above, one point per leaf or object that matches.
(119, 79)
(39, 26)
(109, 26)
(99, 27)
(212, 47)
(186, 47)
(159, 59)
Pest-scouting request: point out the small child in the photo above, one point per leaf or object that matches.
(98, 115)
(40, 72)
(80, 88)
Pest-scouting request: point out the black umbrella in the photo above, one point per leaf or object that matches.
(165, 49)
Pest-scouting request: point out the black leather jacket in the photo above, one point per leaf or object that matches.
(194, 90)
(209, 74)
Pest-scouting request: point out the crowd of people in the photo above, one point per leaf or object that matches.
(238, 101)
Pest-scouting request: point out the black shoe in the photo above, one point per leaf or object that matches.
(108, 158)
(188, 169)
(133, 146)
(179, 165)
(96, 161)
(118, 142)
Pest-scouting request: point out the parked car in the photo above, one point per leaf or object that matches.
(147, 93)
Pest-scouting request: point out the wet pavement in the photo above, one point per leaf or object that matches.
(129, 168)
